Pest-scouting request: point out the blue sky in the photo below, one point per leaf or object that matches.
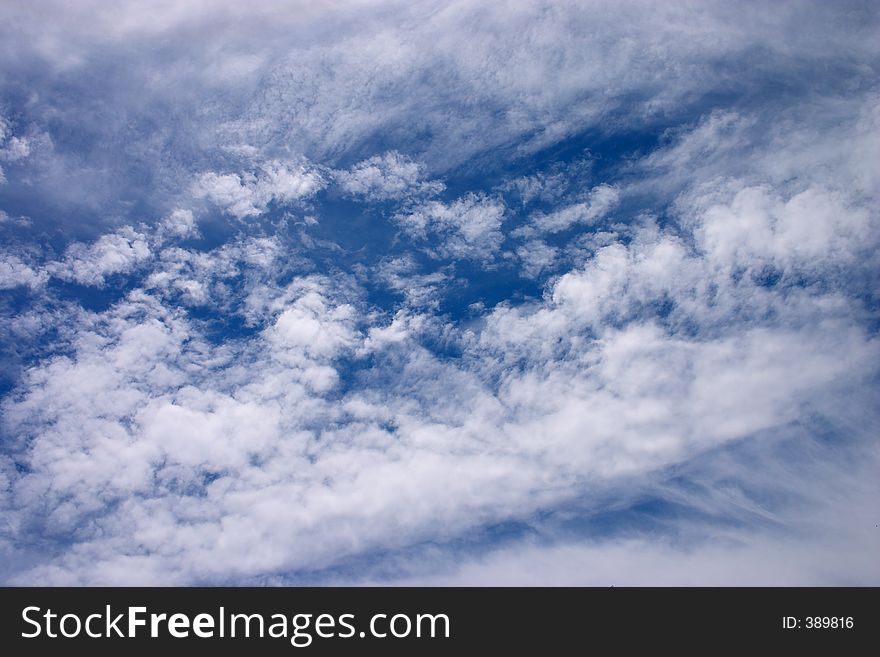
(439, 293)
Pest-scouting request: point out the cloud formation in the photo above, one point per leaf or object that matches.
(441, 293)
(387, 176)
(249, 194)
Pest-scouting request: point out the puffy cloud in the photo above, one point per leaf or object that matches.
(469, 227)
(12, 148)
(308, 328)
(15, 149)
(387, 176)
(114, 253)
(178, 224)
(248, 452)
(250, 194)
(14, 273)
(249, 459)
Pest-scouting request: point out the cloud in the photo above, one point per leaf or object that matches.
(537, 257)
(451, 85)
(178, 224)
(404, 276)
(624, 328)
(249, 194)
(600, 200)
(246, 452)
(12, 148)
(722, 529)
(115, 253)
(761, 561)
(15, 273)
(468, 228)
(387, 176)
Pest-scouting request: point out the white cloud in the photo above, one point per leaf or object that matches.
(498, 58)
(178, 224)
(249, 194)
(248, 458)
(115, 253)
(8, 220)
(309, 329)
(199, 278)
(536, 257)
(827, 560)
(387, 176)
(12, 147)
(225, 463)
(599, 202)
(419, 289)
(404, 326)
(467, 228)
(541, 186)
(14, 273)
(461, 83)
(815, 528)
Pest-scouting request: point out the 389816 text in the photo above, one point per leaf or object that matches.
(818, 622)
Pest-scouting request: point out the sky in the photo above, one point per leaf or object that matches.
(439, 293)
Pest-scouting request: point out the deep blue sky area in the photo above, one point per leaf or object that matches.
(439, 293)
